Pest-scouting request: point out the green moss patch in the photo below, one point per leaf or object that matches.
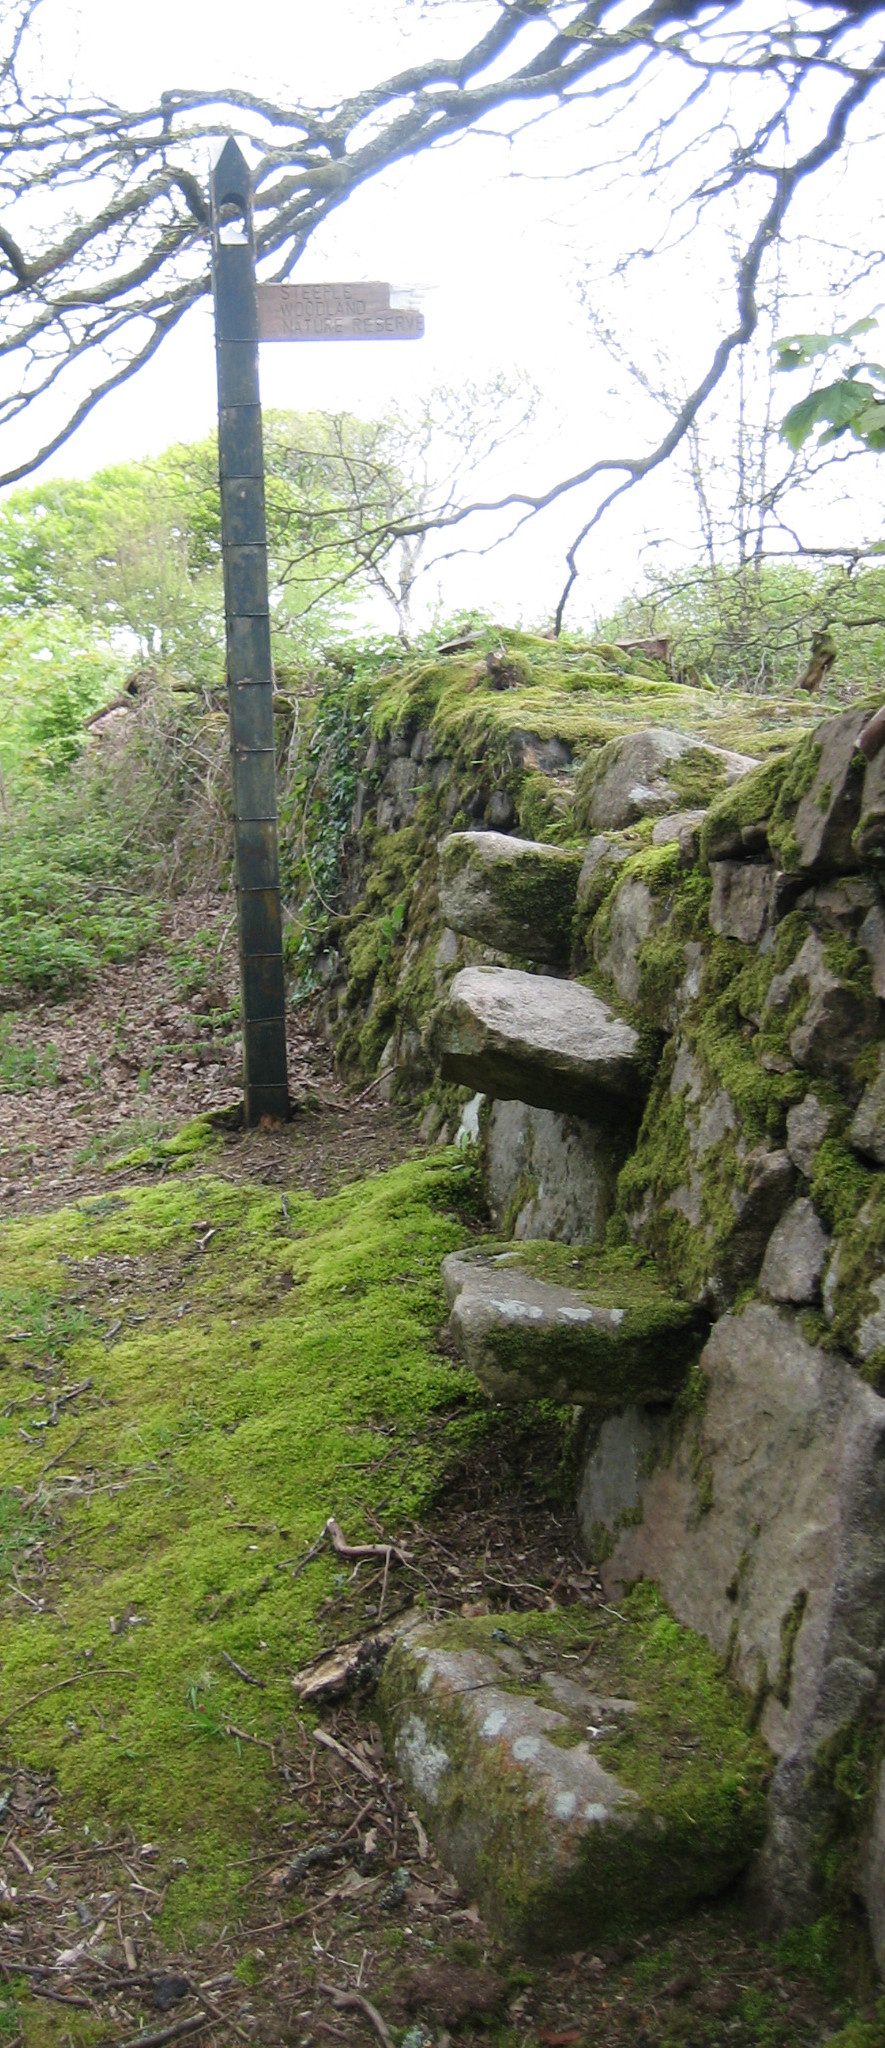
(193, 1141)
(247, 1365)
(750, 802)
(571, 690)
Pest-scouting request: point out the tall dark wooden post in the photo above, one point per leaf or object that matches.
(247, 616)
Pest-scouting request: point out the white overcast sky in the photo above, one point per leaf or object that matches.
(500, 243)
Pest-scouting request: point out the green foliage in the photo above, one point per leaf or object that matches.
(52, 676)
(134, 553)
(69, 896)
(752, 628)
(854, 404)
(84, 861)
(316, 807)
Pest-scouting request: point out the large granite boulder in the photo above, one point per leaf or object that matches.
(517, 895)
(547, 1042)
(763, 1522)
(584, 1774)
(548, 1175)
(646, 773)
(591, 1331)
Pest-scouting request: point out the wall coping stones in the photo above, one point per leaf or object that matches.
(628, 778)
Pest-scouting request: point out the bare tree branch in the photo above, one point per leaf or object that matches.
(104, 247)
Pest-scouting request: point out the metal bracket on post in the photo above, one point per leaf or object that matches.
(247, 617)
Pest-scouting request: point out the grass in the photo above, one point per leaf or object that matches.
(284, 1372)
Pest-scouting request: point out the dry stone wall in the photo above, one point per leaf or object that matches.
(656, 963)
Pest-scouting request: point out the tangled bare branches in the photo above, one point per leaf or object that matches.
(104, 242)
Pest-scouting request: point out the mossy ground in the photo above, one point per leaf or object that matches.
(249, 1366)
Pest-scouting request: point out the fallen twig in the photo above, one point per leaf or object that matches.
(194, 2025)
(210, 2006)
(245, 1675)
(62, 1997)
(356, 1762)
(94, 1671)
(75, 1440)
(342, 1548)
(242, 1735)
(349, 2001)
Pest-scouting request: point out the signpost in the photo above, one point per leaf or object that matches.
(246, 313)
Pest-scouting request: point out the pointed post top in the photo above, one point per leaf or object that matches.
(231, 182)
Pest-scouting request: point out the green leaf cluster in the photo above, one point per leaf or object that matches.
(852, 404)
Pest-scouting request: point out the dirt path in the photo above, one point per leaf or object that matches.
(151, 1044)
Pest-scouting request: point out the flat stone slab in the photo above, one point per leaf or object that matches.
(531, 1038)
(583, 1774)
(612, 1338)
(517, 895)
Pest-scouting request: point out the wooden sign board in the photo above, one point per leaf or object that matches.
(334, 312)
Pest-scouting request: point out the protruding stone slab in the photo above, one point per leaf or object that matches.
(542, 1761)
(612, 1338)
(517, 895)
(645, 773)
(531, 1038)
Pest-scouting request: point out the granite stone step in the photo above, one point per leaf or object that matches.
(545, 1322)
(584, 1773)
(517, 895)
(531, 1038)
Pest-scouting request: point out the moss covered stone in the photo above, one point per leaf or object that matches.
(737, 822)
(595, 1328)
(516, 895)
(585, 1774)
(643, 774)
